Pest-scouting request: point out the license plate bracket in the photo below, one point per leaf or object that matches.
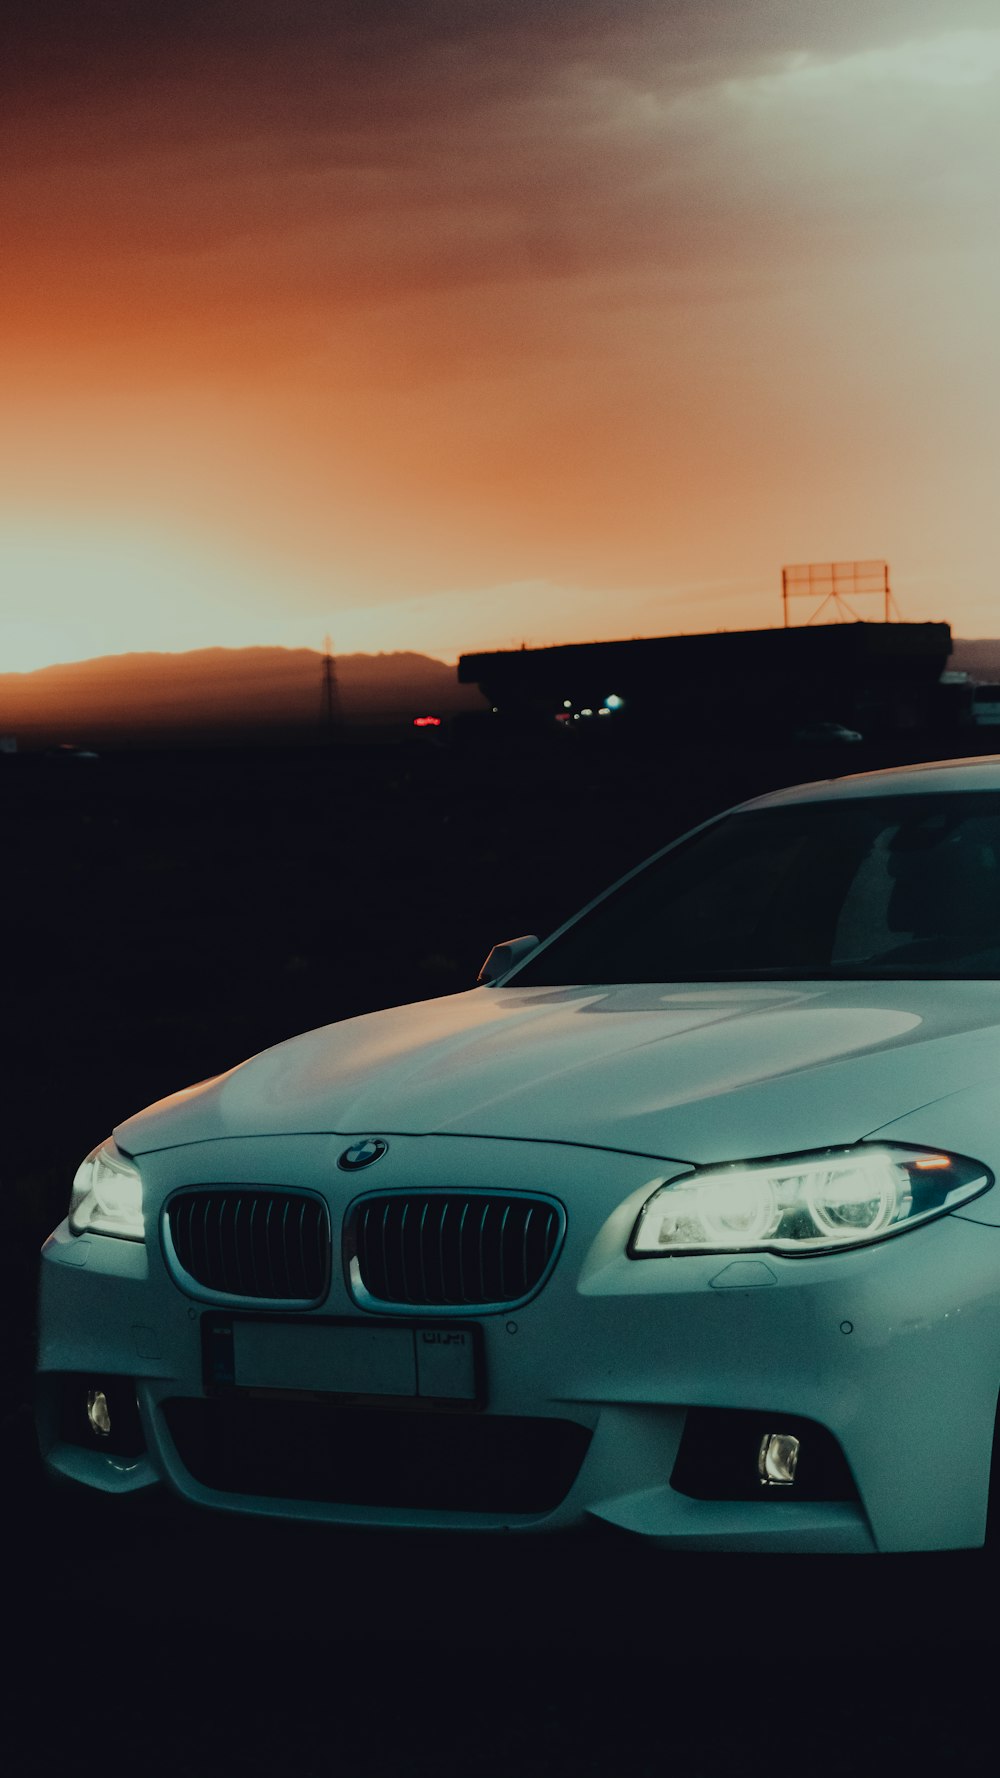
(411, 1365)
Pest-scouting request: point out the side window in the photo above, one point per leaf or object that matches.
(863, 928)
(924, 883)
(902, 884)
(736, 900)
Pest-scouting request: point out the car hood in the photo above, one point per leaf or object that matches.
(696, 1074)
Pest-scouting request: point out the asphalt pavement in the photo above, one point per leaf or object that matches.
(180, 1641)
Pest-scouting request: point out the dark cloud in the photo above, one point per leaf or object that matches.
(253, 163)
(90, 52)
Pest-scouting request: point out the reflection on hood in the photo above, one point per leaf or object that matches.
(706, 1074)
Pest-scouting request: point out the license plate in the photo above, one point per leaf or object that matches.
(419, 1364)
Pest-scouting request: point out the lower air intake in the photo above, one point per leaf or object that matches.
(370, 1457)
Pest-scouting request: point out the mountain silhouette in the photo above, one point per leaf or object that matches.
(219, 693)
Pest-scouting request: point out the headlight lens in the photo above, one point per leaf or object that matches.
(811, 1203)
(107, 1195)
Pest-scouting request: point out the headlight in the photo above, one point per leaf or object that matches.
(107, 1195)
(809, 1203)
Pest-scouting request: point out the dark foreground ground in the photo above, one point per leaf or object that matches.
(165, 916)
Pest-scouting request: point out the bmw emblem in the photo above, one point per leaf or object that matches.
(362, 1154)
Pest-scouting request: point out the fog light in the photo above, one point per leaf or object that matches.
(98, 1412)
(777, 1459)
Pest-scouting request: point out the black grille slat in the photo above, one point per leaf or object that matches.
(444, 1293)
(404, 1279)
(376, 1246)
(284, 1249)
(227, 1244)
(254, 1272)
(484, 1292)
(452, 1250)
(203, 1232)
(394, 1261)
(268, 1255)
(364, 1244)
(302, 1244)
(504, 1293)
(241, 1270)
(184, 1217)
(424, 1293)
(461, 1296)
(525, 1272)
(383, 1254)
(549, 1231)
(218, 1222)
(277, 1238)
(253, 1242)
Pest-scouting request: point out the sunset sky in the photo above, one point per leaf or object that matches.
(450, 324)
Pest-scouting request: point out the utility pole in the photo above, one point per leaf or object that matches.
(330, 705)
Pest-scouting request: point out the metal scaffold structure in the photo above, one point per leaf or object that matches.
(835, 587)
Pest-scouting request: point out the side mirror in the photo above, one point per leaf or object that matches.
(503, 957)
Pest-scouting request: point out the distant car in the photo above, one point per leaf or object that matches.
(986, 706)
(685, 1220)
(70, 750)
(823, 734)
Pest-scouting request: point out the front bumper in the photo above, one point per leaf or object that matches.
(892, 1350)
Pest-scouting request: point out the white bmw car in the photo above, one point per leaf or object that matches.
(684, 1220)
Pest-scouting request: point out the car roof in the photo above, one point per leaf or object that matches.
(935, 777)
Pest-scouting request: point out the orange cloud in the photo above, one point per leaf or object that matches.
(412, 299)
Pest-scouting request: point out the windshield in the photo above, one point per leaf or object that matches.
(903, 887)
